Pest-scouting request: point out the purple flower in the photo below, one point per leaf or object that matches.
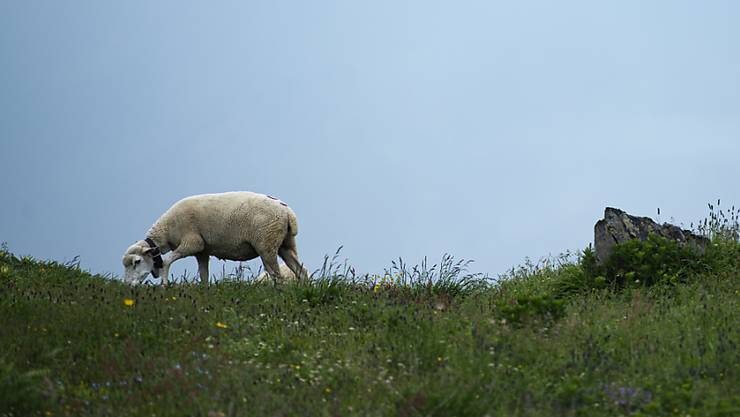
(627, 396)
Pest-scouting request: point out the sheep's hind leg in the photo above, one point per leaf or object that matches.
(203, 268)
(269, 260)
(290, 256)
(189, 246)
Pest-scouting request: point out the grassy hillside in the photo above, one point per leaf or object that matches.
(560, 338)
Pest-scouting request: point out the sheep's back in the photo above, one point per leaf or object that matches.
(229, 220)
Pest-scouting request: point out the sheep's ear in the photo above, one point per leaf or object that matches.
(151, 252)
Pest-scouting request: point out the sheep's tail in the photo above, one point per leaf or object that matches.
(292, 223)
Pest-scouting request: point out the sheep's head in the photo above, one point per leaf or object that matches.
(138, 262)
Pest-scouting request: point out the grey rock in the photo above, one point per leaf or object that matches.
(618, 227)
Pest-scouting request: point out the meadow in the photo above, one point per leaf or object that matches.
(656, 332)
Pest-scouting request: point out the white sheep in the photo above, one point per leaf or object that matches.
(236, 226)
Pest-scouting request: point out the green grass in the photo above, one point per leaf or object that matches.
(423, 341)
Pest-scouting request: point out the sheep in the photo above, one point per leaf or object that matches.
(237, 226)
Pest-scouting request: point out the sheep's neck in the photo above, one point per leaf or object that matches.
(158, 240)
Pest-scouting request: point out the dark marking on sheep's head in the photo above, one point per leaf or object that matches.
(156, 255)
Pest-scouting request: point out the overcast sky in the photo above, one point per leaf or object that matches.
(491, 130)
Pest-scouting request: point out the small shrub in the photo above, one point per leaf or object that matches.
(588, 262)
(723, 255)
(571, 280)
(523, 309)
(642, 263)
(646, 263)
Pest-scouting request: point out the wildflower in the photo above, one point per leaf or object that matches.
(221, 325)
(128, 302)
(376, 288)
(627, 396)
(327, 390)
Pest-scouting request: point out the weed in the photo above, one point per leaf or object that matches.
(22, 392)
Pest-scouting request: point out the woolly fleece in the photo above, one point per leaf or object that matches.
(236, 226)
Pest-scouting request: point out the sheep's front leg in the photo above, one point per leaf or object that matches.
(203, 268)
(189, 246)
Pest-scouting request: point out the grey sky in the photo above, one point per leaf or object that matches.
(489, 130)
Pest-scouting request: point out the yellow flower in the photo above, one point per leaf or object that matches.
(174, 298)
(327, 390)
(377, 288)
(221, 325)
(128, 302)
